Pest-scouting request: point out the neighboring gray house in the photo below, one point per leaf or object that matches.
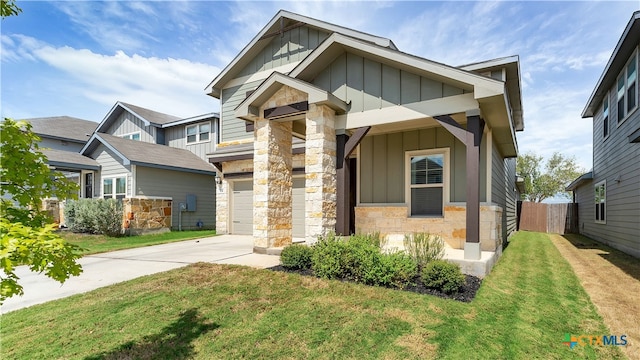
(149, 158)
(608, 197)
(382, 141)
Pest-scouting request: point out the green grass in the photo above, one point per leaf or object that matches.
(208, 311)
(101, 243)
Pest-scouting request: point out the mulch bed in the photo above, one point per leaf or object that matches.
(466, 294)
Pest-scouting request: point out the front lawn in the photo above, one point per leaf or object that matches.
(208, 311)
(102, 243)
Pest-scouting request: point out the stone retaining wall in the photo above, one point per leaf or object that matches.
(147, 215)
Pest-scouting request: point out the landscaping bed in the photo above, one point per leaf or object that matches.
(465, 294)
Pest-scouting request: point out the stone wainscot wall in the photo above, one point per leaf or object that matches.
(393, 222)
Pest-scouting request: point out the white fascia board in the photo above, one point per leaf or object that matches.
(192, 119)
(407, 112)
(483, 86)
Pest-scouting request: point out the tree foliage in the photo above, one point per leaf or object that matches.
(26, 237)
(548, 180)
(9, 8)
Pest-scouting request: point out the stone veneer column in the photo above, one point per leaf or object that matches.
(272, 184)
(320, 170)
(222, 207)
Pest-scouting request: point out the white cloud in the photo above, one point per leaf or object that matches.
(172, 86)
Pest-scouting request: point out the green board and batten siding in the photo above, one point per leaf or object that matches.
(382, 164)
(370, 85)
(169, 183)
(293, 46)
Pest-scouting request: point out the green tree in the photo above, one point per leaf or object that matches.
(543, 182)
(26, 235)
(9, 8)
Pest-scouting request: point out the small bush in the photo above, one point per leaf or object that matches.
(444, 276)
(395, 269)
(424, 248)
(95, 216)
(326, 261)
(296, 257)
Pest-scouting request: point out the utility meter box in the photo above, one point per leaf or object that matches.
(191, 202)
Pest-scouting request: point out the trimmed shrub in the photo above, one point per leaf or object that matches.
(296, 257)
(444, 276)
(94, 216)
(424, 247)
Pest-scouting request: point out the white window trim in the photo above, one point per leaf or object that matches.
(131, 134)
(445, 177)
(606, 212)
(198, 140)
(113, 177)
(83, 190)
(623, 73)
(608, 100)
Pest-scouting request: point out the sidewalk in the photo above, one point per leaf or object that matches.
(612, 280)
(113, 267)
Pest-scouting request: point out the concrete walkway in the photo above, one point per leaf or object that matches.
(113, 267)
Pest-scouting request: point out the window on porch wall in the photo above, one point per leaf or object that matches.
(427, 184)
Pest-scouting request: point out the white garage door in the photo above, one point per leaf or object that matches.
(242, 213)
(242, 202)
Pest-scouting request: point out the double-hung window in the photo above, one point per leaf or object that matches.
(426, 179)
(132, 136)
(198, 132)
(601, 202)
(114, 187)
(627, 89)
(605, 116)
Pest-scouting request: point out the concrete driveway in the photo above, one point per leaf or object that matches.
(117, 266)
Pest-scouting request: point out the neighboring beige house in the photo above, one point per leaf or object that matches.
(608, 197)
(153, 161)
(325, 128)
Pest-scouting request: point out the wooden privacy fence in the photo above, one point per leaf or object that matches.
(548, 218)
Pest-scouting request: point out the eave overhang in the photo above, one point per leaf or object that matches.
(626, 45)
(113, 114)
(248, 109)
(584, 178)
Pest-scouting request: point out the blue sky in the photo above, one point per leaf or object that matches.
(78, 58)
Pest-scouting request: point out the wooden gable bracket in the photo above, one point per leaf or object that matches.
(345, 146)
(471, 137)
(286, 110)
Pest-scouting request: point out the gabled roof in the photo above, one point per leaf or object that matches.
(149, 155)
(512, 66)
(280, 22)
(148, 117)
(247, 109)
(626, 45)
(338, 43)
(63, 128)
(69, 160)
